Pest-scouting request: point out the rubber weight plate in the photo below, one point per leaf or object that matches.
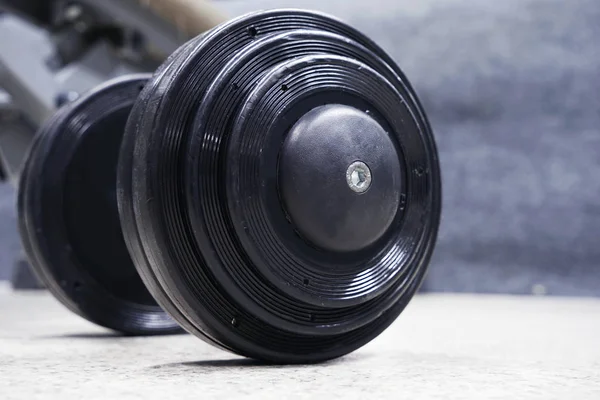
(279, 187)
(68, 215)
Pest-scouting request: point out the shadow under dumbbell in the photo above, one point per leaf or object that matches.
(245, 363)
(97, 335)
(230, 363)
(90, 336)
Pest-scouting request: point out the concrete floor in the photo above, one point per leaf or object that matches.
(442, 346)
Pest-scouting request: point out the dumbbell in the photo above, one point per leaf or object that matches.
(68, 216)
(275, 184)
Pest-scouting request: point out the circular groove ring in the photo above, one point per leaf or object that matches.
(161, 140)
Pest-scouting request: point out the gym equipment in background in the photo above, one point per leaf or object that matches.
(64, 49)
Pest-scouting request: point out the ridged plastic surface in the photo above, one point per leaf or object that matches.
(199, 196)
(85, 265)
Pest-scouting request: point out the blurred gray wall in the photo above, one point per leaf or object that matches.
(512, 89)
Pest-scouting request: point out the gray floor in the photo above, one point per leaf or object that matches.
(442, 346)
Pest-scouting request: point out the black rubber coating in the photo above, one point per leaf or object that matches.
(211, 222)
(68, 216)
(325, 200)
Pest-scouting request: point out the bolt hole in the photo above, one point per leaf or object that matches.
(419, 171)
(141, 87)
(284, 87)
(305, 282)
(311, 317)
(235, 86)
(77, 286)
(359, 178)
(252, 31)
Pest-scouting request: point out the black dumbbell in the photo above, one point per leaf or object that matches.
(277, 184)
(68, 216)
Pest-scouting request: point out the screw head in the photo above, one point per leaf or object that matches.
(358, 177)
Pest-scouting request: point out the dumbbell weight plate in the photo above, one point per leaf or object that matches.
(230, 147)
(68, 214)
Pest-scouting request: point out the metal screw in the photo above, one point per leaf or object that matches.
(358, 177)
